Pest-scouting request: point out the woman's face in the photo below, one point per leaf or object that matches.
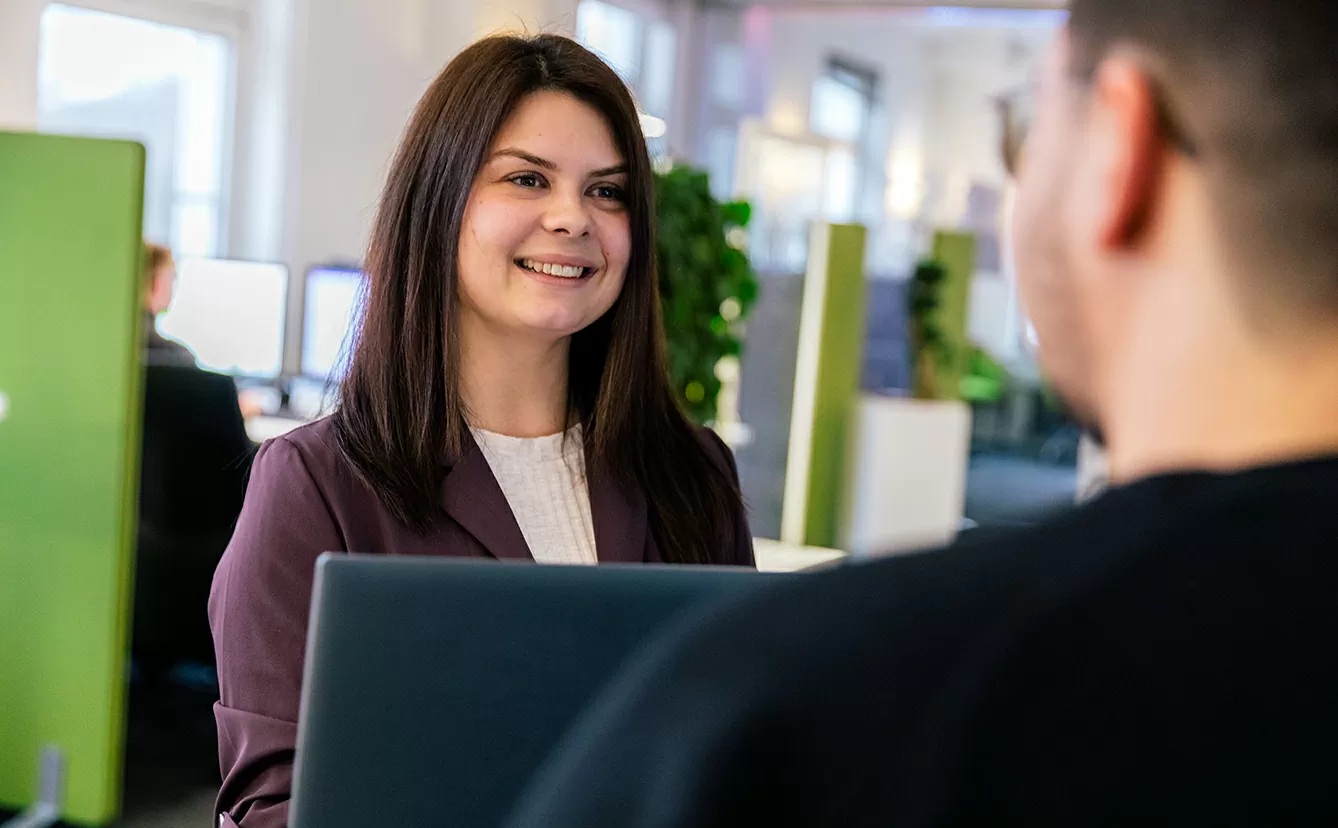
(545, 239)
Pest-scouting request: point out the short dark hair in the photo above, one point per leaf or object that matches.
(1254, 85)
(401, 412)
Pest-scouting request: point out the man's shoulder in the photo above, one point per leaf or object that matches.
(163, 351)
(872, 689)
(986, 599)
(918, 615)
(819, 684)
(973, 577)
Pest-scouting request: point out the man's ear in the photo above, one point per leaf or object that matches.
(1126, 149)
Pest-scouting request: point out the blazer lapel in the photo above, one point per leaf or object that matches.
(471, 495)
(619, 514)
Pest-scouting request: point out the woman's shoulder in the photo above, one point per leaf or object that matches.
(301, 481)
(718, 450)
(740, 553)
(308, 451)
(315, 440)
(709, 436)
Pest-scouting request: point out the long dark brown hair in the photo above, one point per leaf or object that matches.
(400, 411)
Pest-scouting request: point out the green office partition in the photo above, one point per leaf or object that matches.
(957, 253)
(826, 387)
(70, 252)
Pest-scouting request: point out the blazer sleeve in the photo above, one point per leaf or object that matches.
(258, 610)
(742, 552)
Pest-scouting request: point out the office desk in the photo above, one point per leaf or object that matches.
(267, 427)
(774, 556)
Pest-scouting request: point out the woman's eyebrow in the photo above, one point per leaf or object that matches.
(527, 157)
(531, 158)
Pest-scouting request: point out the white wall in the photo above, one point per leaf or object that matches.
(19, 26)
(363, 65)
(263, 139)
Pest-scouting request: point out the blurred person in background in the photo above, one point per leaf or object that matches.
(160, 280)
(1163, 654)
(193, 464)
(507, 397)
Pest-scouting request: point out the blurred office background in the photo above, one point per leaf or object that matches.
(270, 123)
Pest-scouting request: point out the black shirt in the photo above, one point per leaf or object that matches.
(159, 350)
(1165, 654)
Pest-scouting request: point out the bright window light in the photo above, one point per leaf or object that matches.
(105, 75)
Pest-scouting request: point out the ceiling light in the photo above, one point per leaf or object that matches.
(653, 127)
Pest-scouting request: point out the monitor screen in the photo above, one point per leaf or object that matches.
(333, 299)
(230, 314)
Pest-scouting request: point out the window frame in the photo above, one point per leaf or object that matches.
(863, 81)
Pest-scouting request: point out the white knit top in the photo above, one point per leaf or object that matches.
(543, 479)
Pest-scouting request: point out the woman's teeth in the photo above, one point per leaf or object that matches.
(563, 271)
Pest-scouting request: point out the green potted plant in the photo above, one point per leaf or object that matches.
(707, 287)
(929, 345)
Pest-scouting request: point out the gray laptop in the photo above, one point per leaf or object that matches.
(435, 687)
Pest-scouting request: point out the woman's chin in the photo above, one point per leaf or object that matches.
(557, 321)
(553, 326)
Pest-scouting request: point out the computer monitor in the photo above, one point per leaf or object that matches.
(436, 687)
(230, 314)
(333, 300)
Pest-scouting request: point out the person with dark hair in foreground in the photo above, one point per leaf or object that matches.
(1163, 654)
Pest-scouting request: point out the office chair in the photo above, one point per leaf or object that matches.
(193, 469)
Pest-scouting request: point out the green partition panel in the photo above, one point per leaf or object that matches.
(826, 387)
(70, 252)
(957, 253)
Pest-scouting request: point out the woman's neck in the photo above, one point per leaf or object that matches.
(514, 386)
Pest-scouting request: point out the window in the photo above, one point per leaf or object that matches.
(837, 111)
(657, 75)
(641, 51)
(842, 103)
(111, 76)
(783, 178)
(614, 34)
(840, 184)
(721, 149)
(728, 76)
(841, 110)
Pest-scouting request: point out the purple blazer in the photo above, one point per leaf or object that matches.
(303, 499)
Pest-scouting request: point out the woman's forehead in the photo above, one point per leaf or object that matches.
(560, 129)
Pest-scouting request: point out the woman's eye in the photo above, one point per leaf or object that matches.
(527, 180)
(609, 191)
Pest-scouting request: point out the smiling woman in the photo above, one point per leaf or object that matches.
(507, 396)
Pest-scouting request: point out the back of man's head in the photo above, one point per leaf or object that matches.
(1176, 227)
(1253, 87)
